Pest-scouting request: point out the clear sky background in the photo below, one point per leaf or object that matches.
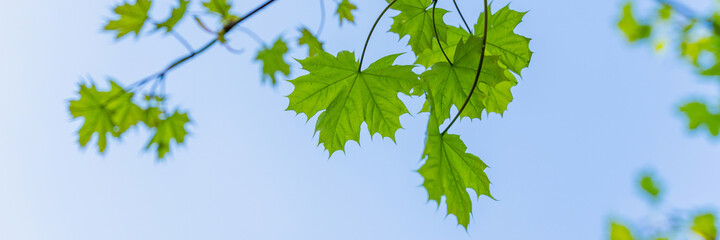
(590, 114)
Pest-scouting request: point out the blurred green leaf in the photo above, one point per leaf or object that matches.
(699, 115)
(314, 45)
(168, 131)
(175, 17)
(648, 184)
(633, 30)
(619, 232)
(273, 60)
(344, 11)
(705, 226)
(105, 112)
(132, 18)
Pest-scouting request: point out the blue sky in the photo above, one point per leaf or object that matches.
(590, 113)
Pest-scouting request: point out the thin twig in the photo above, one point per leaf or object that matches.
(437, 37)
(362, 57)
(462, 17)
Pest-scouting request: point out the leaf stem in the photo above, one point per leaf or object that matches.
(477, 74)
(160, 75)
(322, 18)
(362, 57)
(182, 40)
(462, 17)
(436, 33)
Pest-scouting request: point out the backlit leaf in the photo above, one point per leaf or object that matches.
(350, 97)
(273, 60)
(344, 11)
(175, 17)
(131, 19)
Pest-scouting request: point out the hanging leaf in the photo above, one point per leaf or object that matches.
(350, 97)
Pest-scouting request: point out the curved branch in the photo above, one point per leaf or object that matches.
(462, 17)
(322, 19)
(362, 57)
(477, 74)
(436, 33)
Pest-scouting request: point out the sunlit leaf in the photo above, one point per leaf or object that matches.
(175, 17)
(314, 45)
(350, 97)
(632, 28)
(415, 21)
(344, 11)
(705, 226)
(132, 18)
(169, 131)
(273, 60)
(105, 112)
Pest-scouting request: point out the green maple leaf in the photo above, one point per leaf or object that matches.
(273, 60)
(169, 130)
(314, 45)
(513, 49)
(132, 18)
(619, 232)
(175, 17)
(632, 28)
(415, 20)
(705, 226)
(350, 97)
(110, 112)
(220, 8)
(434, 55)
(449, 170)
(344, 11)
(700, 116)
(451, 83)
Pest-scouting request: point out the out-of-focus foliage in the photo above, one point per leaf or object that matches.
(695, 38)
(131, 18)
(661, 225)
(650, 186)
(344, 11)
(273, 60)
(472, 70)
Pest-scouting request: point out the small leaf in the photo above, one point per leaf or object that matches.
(350, 97)
(111, 112)
(220, 8)
(169, 130)
(344, 11)
(314, 45)
(699, 115)
(175, 17)
(132, 18)
(705, 226)
(619, 232)
(633, 30)
(648, 184)
(273, 60)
